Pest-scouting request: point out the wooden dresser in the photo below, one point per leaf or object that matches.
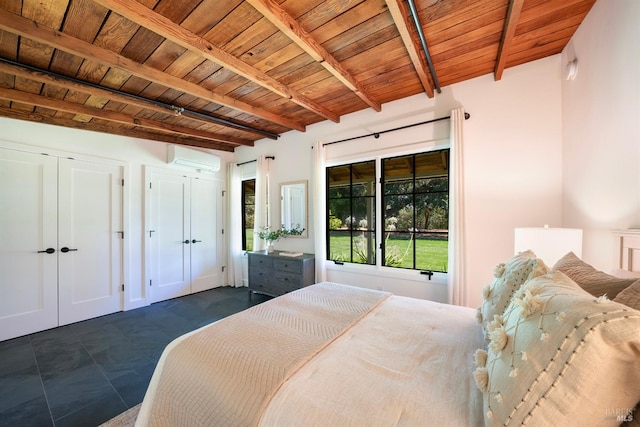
(274, 274)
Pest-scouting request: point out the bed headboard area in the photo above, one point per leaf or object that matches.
(626, 252)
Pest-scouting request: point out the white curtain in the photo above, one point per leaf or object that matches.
(457, 283)
(261, 217)
(234, 213)
(319, 207)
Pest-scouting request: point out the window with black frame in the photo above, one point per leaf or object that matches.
(351, 208)
(414, 206)
(248, 209)
(415, 200)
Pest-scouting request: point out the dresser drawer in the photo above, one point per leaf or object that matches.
(260, 261)
(261, 276)
(290, 266)
(288, 280)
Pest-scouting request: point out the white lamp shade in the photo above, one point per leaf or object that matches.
(549, 244)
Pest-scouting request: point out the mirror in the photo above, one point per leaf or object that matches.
(293, 207)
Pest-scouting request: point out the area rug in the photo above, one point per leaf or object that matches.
(125, 419)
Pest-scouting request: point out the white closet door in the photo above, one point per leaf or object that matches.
(28, 226)
(206, 234)
(170, 240)
(90, 217)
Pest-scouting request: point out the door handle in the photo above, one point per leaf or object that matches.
(186, 242)
(48, 251)
(196, 241)
(66, 249)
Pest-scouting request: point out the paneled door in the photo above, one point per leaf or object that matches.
(61, 252)
(184, 234)
(29, 249)
(206, 234)
(169, 236)
(90, 240)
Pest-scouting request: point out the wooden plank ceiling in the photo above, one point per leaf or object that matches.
(224, 73)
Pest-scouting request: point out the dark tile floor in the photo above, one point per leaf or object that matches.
(88, 372)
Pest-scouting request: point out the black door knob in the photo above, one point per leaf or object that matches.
(48, 251)
(196, 241)
(186, 242)
(66, 249)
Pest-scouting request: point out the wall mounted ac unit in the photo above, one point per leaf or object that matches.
(199, 160)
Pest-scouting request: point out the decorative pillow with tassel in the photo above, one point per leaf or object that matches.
(560, 356)
(507, 280)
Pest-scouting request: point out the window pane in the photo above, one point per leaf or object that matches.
(432, 251)
(398, 250)
(398, 175)
(339, 181)
(339, 213)
(364, 210)
(433, 163)
(398, 213)
(340, 246)
(363, 176)
(364, 248)
(432, 211)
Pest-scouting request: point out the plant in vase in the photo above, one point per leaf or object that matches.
(270, 237)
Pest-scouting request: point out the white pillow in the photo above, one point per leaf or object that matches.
(561, 357)
(508, 278)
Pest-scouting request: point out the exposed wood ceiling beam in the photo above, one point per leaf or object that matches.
(289, 26)
(400, 15)
(47, 78)
(114, 116)
(24, 27)
(513, 16)
(130, 133)
(168, 29)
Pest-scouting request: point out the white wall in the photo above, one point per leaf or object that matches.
(136, 153)
(512, 164)
(601, 128)
(512, 159)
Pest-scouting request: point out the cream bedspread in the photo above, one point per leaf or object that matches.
(408, 363)
(225, 374)
(325, 355)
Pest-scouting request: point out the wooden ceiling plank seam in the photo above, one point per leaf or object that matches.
(549, 9)
(185, 38)
(399, 14)
(29, 29)
(285, 23)
(576, 11)
(56, 104)
(511, 22)
(558, 31)
(472, 15)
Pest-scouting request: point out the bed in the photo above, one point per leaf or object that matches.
(541, 350)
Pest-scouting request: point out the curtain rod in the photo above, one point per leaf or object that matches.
(377, 134)
(255, 160)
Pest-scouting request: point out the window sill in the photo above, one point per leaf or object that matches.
(389, 272)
